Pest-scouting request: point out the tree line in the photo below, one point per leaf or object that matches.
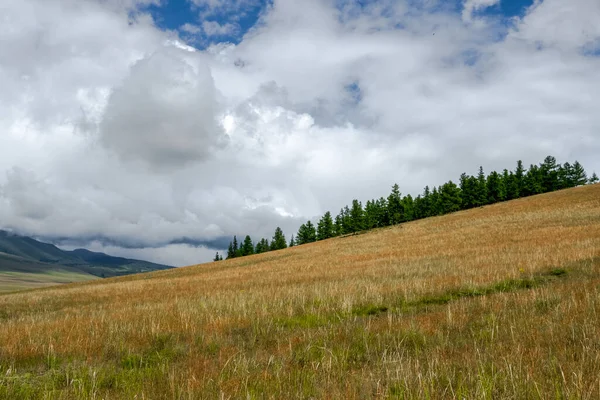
(471, 191)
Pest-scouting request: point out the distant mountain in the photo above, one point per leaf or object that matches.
(24, 254)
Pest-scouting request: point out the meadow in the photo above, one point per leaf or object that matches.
(498, 302)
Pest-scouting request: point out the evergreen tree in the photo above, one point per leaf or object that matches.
(394, 202)
(262, 246)
(565, 176)
(292, 242)
(325, 228)
(519, 180)
(236, 250)
(306, 234)
(494, 188)
(278, 241)
(217, 258)
(549, 173)
(356, 217)
(578, 177)
(467, 191)
(419, 211)
(481, 189)
(408, 207)
(435, 203)
(230, 251)
(593, 179)
(338, 226)
(450, 198)
(247, 247)
(426, 203)
(370, 220)
(383, 217)
(532, 184)
(512, 187)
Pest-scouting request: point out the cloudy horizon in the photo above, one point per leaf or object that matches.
(159, 129)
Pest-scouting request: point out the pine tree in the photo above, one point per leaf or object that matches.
(408, 205)
(450, 198)
(306, 233)
(494, 188)
(292, 242)
(278, 241)
(435, 203)
(236, 250)
(519, 179)
(579, 176)
(383, 217)
(593, 179)
(532, 183)
(230, 252)
(481, 189)
(325, 228)
(338, 226)
(394, 202)
(512, 187)
(247, 247)
(370, 220)
(262, 246)
(565, 176)
(356, 217)
(217, 258)
(549, 173)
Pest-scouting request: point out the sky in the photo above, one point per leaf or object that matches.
(158, 129)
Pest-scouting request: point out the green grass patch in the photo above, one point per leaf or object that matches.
(302, 321)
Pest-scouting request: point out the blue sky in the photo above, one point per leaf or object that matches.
(173, 14)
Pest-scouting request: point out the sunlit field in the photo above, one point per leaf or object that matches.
(497, 302)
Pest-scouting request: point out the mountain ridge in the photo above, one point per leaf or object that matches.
(28, 258)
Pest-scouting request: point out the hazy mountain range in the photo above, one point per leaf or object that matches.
(25, 254)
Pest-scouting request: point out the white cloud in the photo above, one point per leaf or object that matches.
(164, 111)
(213, 28)
(112, 128)
(471, 6)
(191, 28)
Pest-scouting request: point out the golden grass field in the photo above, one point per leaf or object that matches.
(499, 302)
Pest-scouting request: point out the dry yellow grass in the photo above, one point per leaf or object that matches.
(497, 302)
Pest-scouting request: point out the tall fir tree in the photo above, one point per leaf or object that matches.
(450, 198)
(356, 217)
(278, 241)
(481, 190)
(306, 233)
(578, 177)
(495, 188)
(217, 257)
(325, 228)
(292, 242)
(408, 205)
(519, 179)
(394, 202)
(230, 251)
(532, 184)
(262, 246)
(236, 250)
(247, 247)
(593, 179)
(549, 173)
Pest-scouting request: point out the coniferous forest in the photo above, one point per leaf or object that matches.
(470, 191)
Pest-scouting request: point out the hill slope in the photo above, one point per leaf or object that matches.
(496, 302)
(27, 263)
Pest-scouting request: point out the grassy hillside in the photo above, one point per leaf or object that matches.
(26, 263)
(17, 273)
(497, 302)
